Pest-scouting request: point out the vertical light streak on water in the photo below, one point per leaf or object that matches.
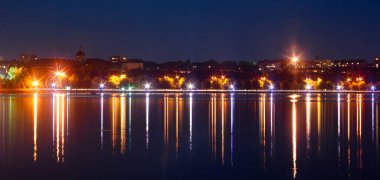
(373, 116)
(223, 117)
(213, 126)
(319, 121)
(35, 111)
(63, 128)
(308, 126)
(191, 120)
(232, 128)
(166, 124)
(348, 131)
(113, 124)
(176, 126)
(122, 124)
(147, 121)
(67, 115)
(262, 128)
(101, 120)
(294, 136)
(272, 125)
(377, 130)
(360, 161)
(57, 129)
(53, 118)
(130, 120)
(339, 139)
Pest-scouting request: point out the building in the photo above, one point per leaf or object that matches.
(23, 57)
(132, 65)
(270, 65)
(377, 63)
(354, 64)
(118, 59)
(80, 55)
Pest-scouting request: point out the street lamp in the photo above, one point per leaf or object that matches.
(147, 86)
(338, 87)
(271, 87)
(35, 84)
(102, 85)
(190, 86)
(232, 87)
(373, 88)
(308, 87)
(294, 59)
(53, 85)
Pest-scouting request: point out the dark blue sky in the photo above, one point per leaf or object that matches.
(198, 30)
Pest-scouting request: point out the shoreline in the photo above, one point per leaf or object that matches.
(239, 91)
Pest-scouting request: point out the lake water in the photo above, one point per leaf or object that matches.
(189, 136)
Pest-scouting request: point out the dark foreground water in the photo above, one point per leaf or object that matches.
(189, 136)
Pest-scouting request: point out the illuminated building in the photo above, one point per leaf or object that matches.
(118, 59)
(132, 65)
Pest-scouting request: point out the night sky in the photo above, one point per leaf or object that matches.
(162, 30)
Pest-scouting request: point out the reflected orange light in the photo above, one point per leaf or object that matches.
(223, 116)
(262, 127)
(35, 111)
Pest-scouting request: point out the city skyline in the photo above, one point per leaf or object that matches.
(196, 30)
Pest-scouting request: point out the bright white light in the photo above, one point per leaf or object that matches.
(271, 87)
(232, 87)
(122, 88)
(190, 86)
(373, 88)
(129, 88)
(68, 88)
(338, 87)
(53, 85)
(295, 59)
(102, 85)
(147, 86)
(308, 87)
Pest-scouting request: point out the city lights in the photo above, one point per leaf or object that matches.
(271, 87)
(60, 74)
(232, 87)
(308, 87)
(102, 85)
(68, 88)
(373, 88)
(35, 83)
(53, 85)
(294, 59)
(190, 86)
(147, 86)
(338, 87)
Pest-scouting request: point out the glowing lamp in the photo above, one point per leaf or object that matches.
(190, 86)
(147, 86)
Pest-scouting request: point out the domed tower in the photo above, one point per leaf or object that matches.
(80, 55)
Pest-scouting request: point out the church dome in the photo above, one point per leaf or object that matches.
(80, 53)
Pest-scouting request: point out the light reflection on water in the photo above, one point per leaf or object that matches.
(336, 131)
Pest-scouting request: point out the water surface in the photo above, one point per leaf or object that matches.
(189, 136)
